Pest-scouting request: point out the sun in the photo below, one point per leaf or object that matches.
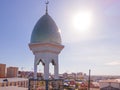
(82, 20)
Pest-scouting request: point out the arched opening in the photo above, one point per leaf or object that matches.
(51, 69)
(40, 70)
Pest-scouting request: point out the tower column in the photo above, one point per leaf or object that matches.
(46, 71)
(35, 70)
(56, 70)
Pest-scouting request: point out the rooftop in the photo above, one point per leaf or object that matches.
(13, 88)
(13, 79)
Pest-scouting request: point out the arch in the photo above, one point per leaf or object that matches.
(52, 65)
(53, 62)
(51, 70)
(40, 66)
(41, 62)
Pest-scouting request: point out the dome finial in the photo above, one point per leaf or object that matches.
(47, 2)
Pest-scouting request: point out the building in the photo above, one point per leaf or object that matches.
(96, 78)
(12, 72)
(2, 70)
(46, 45)
(80, 75)
(110, 84)
(13, 82)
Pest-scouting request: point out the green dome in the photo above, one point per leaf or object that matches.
(45, 31)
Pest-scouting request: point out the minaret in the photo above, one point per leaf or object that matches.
(46, 45)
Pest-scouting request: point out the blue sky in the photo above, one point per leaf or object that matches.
(97, 49)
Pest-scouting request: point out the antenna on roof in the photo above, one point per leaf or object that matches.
(46, 2)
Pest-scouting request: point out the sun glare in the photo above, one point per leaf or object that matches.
(82, 21)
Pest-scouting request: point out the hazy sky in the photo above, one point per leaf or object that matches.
(96, 48)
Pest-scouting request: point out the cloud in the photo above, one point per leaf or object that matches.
(114, 63)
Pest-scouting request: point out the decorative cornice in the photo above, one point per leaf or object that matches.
(45, 44)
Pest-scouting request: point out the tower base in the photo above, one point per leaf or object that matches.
(37, 84)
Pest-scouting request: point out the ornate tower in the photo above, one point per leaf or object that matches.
(46, 45)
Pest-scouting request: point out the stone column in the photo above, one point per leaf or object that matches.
(56, 70)
(35, 70)
(46, 71)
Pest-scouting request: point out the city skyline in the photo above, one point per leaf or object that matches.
(96, 48)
